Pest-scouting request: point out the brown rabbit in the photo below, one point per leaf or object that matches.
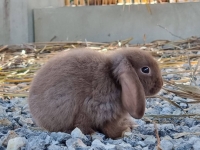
(94, 91)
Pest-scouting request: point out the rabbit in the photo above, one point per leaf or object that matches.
(94, 91)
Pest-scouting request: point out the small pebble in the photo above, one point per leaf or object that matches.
(138, 147)
(150, 140)
(183, 105)
(177, 112)
(60, 136)
(196, 145)
(139, 122)
(193, 140)
(77, 133)
(5, 122)
(166, 110)
(166, 145)
(74, 143)
(183, 146)
(16, 143)
(142, 144)
(167, 126)
(145, 148)
(170, 76)
(56, 147)
(98, 143)
(10, 135)
(25, 120)
(2, 110)
(115, 142)
(195, 128)
(125, 145)
(98, 136)
(189, 122)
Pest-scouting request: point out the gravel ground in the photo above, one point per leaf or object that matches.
(17, 130)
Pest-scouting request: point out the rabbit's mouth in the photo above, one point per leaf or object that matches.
(156, 88)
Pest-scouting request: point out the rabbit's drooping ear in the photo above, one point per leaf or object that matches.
(133, 96)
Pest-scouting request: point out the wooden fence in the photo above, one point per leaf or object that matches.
(121, 2)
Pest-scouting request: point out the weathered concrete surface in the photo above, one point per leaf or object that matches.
(32, 4)
(18, 22)
(13, 21)
(109, 23)
(16, 19)
(5, 24)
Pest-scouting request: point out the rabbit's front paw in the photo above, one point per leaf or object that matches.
(127, 130)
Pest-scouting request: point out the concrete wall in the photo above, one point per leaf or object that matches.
(4, 23)
(13, 20)
(32, 4)
(109, 23)
(16, 19)
(94, 23)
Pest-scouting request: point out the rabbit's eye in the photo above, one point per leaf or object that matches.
(145, 69)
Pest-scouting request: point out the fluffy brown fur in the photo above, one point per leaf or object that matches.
(93, 91)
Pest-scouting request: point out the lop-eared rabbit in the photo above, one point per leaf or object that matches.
(94, 91)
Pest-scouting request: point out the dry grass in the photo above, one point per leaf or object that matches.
(19, 63)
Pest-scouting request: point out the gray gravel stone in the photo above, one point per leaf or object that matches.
(139, 122)
(97, 143)
(2, 111)
(189, 122)
(60, 136)
(48, 140)
(177, 112)
(142, 144)
(77, 133)
(178, 99)
(166, 144)
(138, 147)
(166, 138)
(16, 143)
(37, 142)
(56, 147)
(169, 96)
(166, 110)
(183, 105)
(150, 140)
(75, 143)
(195, 128)
(183, 146)
(170, 76)
(145, 148)
(132, 140)
(149, 129)
(193, 140)
(125, 145)
(10, 135)
(185, 129)
(152, 111)
(98, 136)
(115, 142)
(167, 126)
(196, 145)
(26, 121)
(97, 148)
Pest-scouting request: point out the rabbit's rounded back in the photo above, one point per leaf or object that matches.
(65, 86)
